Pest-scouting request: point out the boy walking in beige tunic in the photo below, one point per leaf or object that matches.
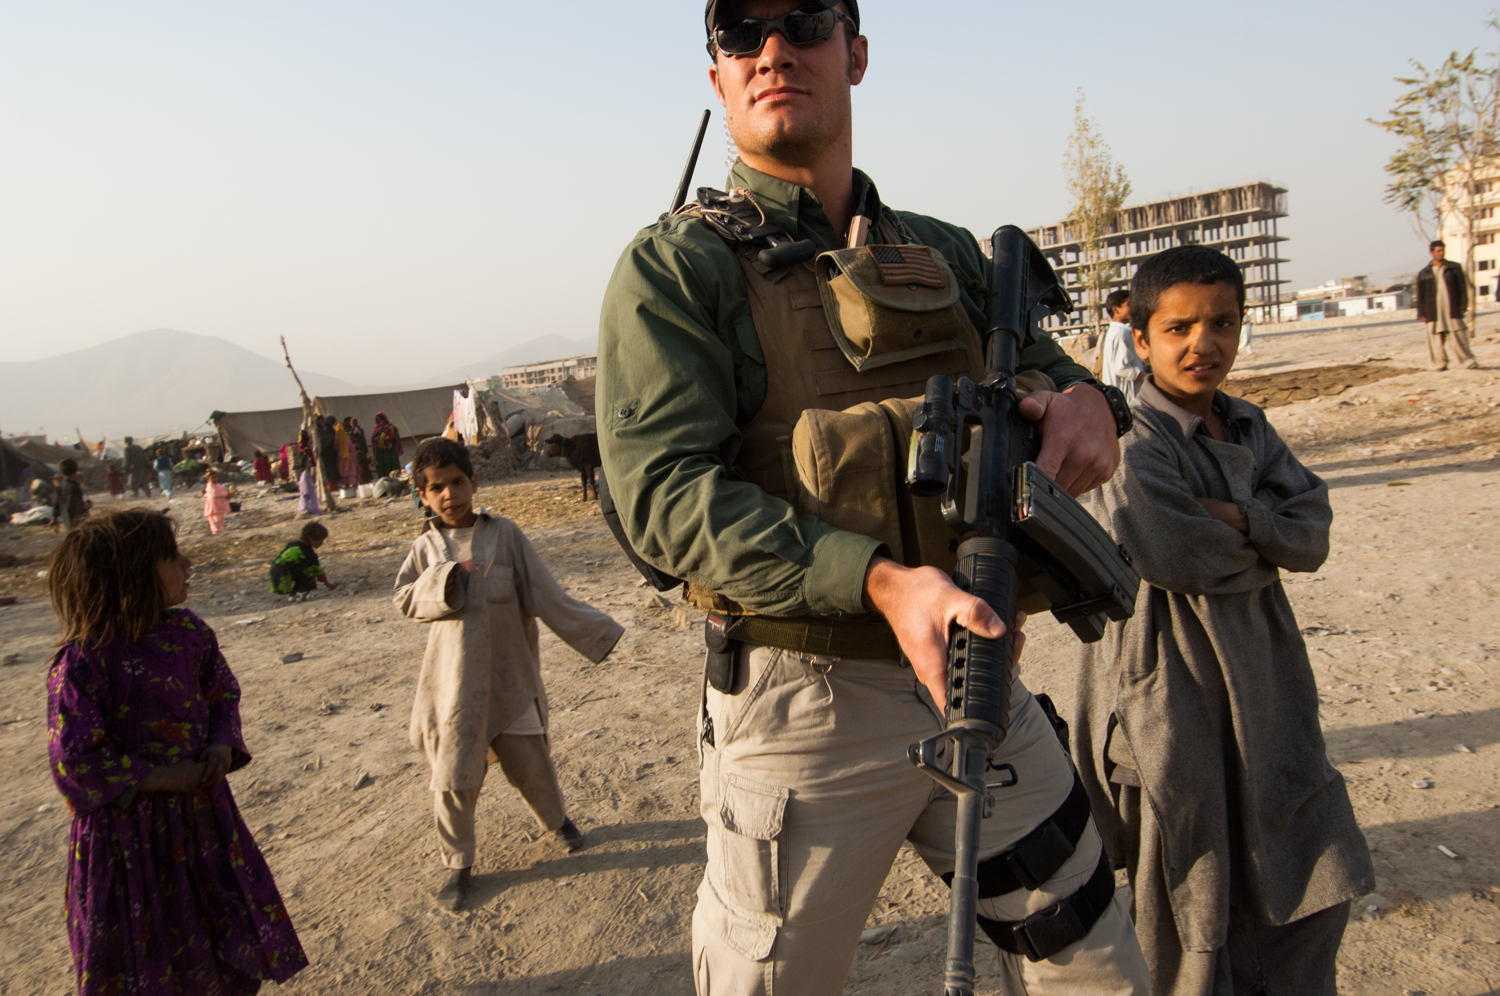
(481, 586)
(1197, 729)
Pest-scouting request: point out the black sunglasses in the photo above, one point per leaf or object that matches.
(747, 35)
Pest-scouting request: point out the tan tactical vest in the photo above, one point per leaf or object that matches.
(831, 438)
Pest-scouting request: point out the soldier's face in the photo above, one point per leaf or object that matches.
(788, 103)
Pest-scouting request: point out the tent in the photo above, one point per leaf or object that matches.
(12, 462)
(417, 414)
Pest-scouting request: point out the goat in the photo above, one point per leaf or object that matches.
(582, 452)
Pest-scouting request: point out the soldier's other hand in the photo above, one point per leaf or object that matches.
(1079, 448)
(921, 603)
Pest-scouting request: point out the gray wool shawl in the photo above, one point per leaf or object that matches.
(1207, 689)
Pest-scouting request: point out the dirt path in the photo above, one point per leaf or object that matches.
(1403, 635)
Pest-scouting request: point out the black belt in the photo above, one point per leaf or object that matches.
(861, 639)
(1037, 856)
(1046, 932)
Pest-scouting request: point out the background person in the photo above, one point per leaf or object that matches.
(1442, 300)
(388, 449)
(215, 502)
(69, 506)
(1122, 367)
(163, 467)
(137, 468)
(296, 570)
(481, 587)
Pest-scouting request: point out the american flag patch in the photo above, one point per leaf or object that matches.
(907, 265)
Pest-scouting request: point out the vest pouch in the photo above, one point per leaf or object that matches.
(890, 304)
(846, 471)
(851, 473)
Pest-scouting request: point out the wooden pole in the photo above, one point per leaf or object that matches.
(307, 425)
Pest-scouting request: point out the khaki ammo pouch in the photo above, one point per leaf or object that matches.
(850, 472)
(891, 303)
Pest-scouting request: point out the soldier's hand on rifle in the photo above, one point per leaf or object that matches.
(1080, 450)
(921, 603)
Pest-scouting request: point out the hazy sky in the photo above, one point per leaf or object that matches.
(395, 187)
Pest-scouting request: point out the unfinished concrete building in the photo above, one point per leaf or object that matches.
(1238, 221)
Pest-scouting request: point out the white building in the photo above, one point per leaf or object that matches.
(1346, 297)
(550, 372)
(1455, 232)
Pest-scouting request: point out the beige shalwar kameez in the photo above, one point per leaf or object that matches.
(480, 697)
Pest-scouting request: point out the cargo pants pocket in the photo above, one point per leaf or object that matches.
(744, 853)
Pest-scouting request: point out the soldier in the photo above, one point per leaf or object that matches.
(718, 332)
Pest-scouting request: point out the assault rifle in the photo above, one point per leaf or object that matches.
(1022, 534)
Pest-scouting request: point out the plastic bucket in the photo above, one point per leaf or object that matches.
(366, 491)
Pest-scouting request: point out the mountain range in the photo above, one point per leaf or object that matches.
(165, 380)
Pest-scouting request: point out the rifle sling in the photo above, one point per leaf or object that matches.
(1046, 932)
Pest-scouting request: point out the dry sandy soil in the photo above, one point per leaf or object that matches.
(1402, 632)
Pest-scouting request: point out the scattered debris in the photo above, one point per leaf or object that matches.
(10, 659)
(376, 706)
(1448, 852)
(1421, 783)
(875, 935)
(1465, 750)
(363, 780)
(250, 621)
(1374, 902)
(291, 658)
(328, 709)
(7, 600)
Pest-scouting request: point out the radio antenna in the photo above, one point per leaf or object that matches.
(680, 198)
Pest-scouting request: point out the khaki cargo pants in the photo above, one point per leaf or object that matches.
(808, 796)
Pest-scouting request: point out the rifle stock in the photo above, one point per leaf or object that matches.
(1019, 532)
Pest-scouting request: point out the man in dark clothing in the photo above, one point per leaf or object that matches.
(138, 467)
(1442, 299)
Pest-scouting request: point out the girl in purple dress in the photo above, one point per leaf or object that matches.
(166, 892)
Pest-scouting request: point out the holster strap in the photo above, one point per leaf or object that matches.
(1046, 932)
(869, 639)
(1037, 856)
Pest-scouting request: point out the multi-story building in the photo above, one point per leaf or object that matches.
(1238, 221)
(1484, 203)
(550, 372)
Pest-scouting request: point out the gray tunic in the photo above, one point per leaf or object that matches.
(1207, 692)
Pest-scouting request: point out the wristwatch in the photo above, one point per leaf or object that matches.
(1118, 407)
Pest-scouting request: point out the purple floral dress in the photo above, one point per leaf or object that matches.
(167, 892)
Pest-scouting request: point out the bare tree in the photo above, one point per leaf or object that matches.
(1449, 119)
(1098, 187)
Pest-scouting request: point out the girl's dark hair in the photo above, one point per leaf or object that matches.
(103, 577)
(314, 532)
(1180, 265)
(68, 466)
(439, 451)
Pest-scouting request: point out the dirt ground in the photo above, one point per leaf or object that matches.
(1402, 632)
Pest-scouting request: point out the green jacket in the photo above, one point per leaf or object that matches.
(680, 369)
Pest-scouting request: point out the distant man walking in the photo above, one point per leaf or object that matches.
(1442, 299)
(138, 467)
